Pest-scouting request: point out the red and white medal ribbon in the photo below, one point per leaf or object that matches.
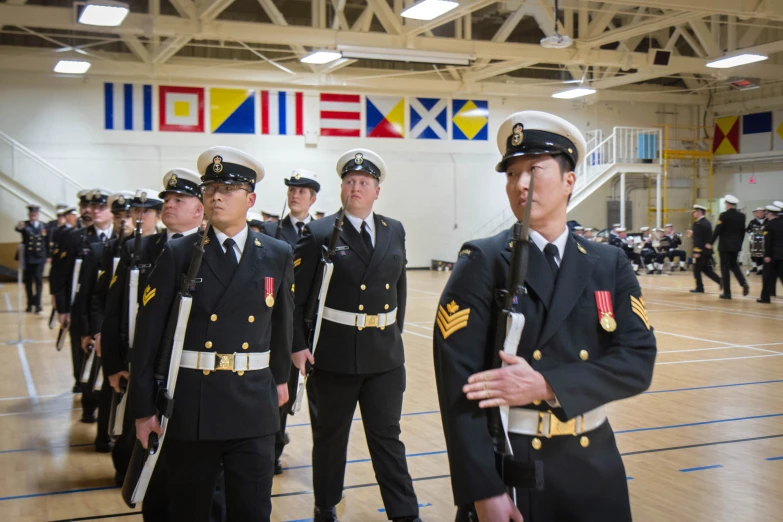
(603, 300)
(269, 291)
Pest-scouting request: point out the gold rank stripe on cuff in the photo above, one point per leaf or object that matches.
(149, 293)
(297, 262)
(637, 305)
(451, 319)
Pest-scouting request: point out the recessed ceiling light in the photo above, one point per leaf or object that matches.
(104, 12)
(736, 61)
(321, 57)
(429, 9)
(71, 67)
(573, 93)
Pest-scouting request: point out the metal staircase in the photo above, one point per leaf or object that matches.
(626, 150)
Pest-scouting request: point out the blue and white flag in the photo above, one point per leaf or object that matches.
(756, 133)
(429, 118)
(127, 106)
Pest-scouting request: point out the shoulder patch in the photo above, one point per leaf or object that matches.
(451, 319)
(637, 306)
(63, 254)
(149, 293)
(257, 242)
(297, 262)
(464, 252)
(581, 248)
(383, 223)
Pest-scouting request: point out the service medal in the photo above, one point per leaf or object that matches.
(603, 301)
(269, 290)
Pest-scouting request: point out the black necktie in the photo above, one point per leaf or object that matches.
(102, 237)
(551, 252)
(299, 227)
(178, 235)
(366, 237)
(231, 256)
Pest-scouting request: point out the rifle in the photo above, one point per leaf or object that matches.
(279, 228)
(165, 373)
(133, 278)
(116, 258)
(316, 300)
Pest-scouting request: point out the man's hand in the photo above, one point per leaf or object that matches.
(96, 342)
(63, 318)
(708, 246)
(114, 380)
(301, 358)
(696, 256)
(497, 509)
(516, 384)
(85, 343)
(767, 259)
(20, 225)
(282, 394)
(146, 426)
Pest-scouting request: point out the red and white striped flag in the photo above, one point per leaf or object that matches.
(341, 115)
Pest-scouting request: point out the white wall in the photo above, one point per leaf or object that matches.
(441, 191)
(767, 186)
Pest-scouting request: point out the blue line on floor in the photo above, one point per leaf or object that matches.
(357, 461)
(718, 421)
(359, 418)
(47, 448)
(66, 492)
(628, 478)
(712, 387)
(383, 510)
(700, 468)
(774, 458)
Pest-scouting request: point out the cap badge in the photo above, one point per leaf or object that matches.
(217, 166)
(359, 158)
(297, 176)
(121, 200)
(173, 181)
(518, 135)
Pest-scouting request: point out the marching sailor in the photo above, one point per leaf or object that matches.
(731, 231)
(702, 256)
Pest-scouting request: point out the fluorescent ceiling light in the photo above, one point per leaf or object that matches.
(573, 93)
(736, 61)
(71, 67)
(104, 12)
(404, 55)
(321, 57)
(429, 9)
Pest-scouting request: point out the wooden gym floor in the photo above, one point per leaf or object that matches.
(705, 443)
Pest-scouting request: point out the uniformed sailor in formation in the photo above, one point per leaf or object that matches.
(755, 229)
(237, 351)
(586, 342)
(702, 256)
(359, 357)
(773, 252)
(731, 232)
(303, 188)
(35, 250)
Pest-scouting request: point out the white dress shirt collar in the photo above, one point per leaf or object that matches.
(239, 241)
(193, 230)
(560, 243)
(294, 221)
(108, 231)
(370, 224)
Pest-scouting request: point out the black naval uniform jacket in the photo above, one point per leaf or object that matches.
(101, 291)
(288, 232)
(59, 252)
(89, 277)
(731, 231)
(702, 234)
(586, 367)
(377, 283)
(227, 313)
(773, 239)
(35, 242)
(114, 331)
(755, 224)
(72, 246)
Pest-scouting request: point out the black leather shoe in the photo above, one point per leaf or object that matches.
(325, 514)
(765, 301)
(278, 467)
(76, 388)
(697, 291)
(104, 447)
(745, 290)
(38, 310)
(724, 296)
(29, 309)
(88, 418)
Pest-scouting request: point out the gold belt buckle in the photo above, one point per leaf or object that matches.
(225, 361)
(556, 426)
(371, 321)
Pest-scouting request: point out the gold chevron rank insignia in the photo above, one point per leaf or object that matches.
(100, 274)
(113, 280)
(637, 305)
(149, 293)
(297, 262)
(451, 319)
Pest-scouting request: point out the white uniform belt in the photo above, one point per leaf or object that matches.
(235, 362)
(544, 424)
(360, 320)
